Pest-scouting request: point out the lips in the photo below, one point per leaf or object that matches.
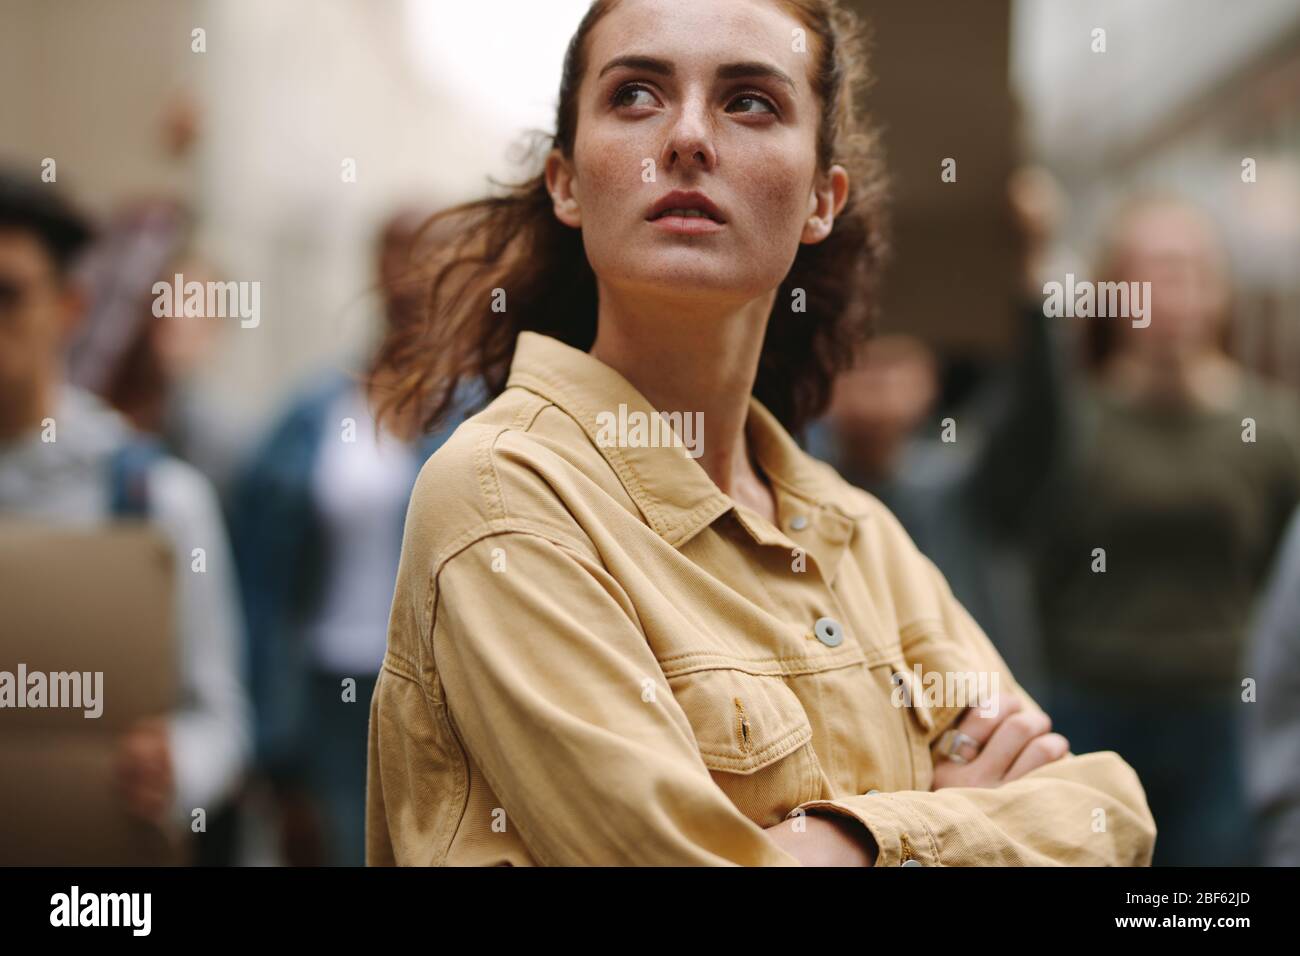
(685, 205)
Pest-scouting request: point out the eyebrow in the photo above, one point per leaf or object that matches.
(728, 71)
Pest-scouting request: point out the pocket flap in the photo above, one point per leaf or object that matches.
(742, 722)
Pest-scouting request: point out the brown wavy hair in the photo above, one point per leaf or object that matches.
(514, 242)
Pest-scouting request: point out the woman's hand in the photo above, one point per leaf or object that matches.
(825, 839)
(1012, 741)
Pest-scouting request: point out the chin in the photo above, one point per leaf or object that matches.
(704, 283)
(696, 269)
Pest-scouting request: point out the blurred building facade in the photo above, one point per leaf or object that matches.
(1185, 92)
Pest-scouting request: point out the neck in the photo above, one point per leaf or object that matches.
(1200, 377)
(690, 357)
(23, 411)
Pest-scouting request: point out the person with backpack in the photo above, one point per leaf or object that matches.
(69, 460)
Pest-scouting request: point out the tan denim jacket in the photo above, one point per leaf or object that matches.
(597, 657)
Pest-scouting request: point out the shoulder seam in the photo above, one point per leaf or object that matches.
(488, 478)
(493, 528)
(518, 525)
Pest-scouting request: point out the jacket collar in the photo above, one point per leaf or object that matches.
(673, 492)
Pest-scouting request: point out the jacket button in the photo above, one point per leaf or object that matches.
(912, 863)
(829, 632)
(799, 522)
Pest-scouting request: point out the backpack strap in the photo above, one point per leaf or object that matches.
(128, 477)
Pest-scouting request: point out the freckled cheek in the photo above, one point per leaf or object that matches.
(777, 202)
(609, 175)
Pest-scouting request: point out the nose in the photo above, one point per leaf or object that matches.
(690, 138)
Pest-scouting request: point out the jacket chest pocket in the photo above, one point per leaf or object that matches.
(755, 738)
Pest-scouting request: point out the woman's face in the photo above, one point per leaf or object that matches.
(709, 97)
(1176, 251)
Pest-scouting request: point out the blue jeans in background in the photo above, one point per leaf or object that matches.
(1187, 755)
(336, 764)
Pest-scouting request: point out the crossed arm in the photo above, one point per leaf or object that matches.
(590, 778)
(1012, 740)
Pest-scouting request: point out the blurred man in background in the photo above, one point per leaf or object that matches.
(98, 469)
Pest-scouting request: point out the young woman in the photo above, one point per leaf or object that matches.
(610, 647)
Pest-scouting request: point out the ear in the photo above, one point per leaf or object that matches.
(828, 197)
(560, 184)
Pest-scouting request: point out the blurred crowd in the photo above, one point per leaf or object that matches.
(1116, 506)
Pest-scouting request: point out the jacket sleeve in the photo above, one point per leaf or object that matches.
(1085, 810)
(1081, 810)
(554, 690)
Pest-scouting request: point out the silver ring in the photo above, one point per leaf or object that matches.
(950, 743)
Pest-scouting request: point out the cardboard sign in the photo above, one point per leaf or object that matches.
(88, 646)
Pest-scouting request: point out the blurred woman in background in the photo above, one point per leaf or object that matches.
(318, 515)
(1163, 518)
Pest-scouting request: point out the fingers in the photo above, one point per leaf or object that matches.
(1038, 752)
(144, 770)
(980, 724)
(1010, 738)
(1014, 740)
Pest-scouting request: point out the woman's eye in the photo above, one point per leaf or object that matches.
(621, 96)
(752, 99)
